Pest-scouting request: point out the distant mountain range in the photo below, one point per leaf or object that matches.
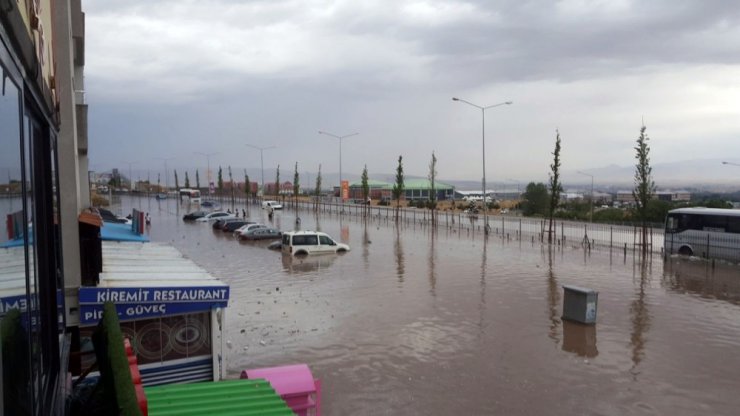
(705, 174)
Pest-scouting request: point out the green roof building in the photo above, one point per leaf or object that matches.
(414, 189)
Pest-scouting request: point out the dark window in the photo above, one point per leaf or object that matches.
(326, 241)
(305, 240)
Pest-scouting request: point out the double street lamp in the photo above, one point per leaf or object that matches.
(340, 154)
(262, 164)
(483, 131)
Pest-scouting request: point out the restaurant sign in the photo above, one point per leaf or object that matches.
(150, 302)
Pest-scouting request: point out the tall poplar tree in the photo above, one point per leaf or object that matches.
(365, 189)
(433, 189)
(398, 186)
(277, 181)
(220, 181)
(317, 191)
(296, 185)
(644, 184)
(177, 183)
(197, 179)
(555, 186)
(187, 180)
(247, 185)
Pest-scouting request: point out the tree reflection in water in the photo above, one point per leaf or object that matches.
(639, 316)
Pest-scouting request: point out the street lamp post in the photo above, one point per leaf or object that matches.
(262, 164)
(166, 173)
(340, 155)
(483, 132)
(208, 167)
(130, 177)
(591, 215)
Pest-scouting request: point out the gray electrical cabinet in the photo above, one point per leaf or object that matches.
(579, 304)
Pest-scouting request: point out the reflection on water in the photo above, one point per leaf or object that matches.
(580, 339)
(640, 317)
(432, 268)
(398, 250)
(718, 281)
(411, 322)
(553, 297)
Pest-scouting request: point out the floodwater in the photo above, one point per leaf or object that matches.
(415, 322)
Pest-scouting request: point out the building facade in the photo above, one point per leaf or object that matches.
(43, 185)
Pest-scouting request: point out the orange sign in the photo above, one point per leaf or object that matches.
(345, 190)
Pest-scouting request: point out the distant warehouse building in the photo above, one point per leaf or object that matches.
(414, 189)
(626, 197)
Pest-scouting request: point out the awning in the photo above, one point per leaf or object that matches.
(150, 280)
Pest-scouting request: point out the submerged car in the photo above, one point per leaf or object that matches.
(232, 226)
(246, 228)
(271, 204)
(261, 234)
(221, 222)
(310, 242)
(213, 216)
(194, 215)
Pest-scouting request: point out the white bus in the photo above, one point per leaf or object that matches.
(192, 195)
(706, 232)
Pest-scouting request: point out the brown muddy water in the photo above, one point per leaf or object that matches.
(412, 322)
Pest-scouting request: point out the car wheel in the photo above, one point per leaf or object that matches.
(685, 251)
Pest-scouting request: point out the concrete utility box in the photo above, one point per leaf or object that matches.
(579, 304)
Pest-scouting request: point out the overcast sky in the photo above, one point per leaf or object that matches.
(166, 79)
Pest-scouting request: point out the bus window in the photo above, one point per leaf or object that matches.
(671, 225)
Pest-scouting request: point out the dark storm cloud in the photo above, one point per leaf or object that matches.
(278, 71)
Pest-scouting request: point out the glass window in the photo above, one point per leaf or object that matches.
(16, 324)
(326, 240)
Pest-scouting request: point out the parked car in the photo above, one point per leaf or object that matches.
(310, 242)
(232, 226)
(194, 215)
(109, 216)
(213, 216)
(271, 204)
(245, 228)
(261, 234)
(219, 223)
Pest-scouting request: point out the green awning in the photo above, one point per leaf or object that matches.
(220, 398)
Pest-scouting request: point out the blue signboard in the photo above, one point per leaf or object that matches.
(149, 302)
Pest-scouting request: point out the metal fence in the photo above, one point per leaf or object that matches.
(565, 233)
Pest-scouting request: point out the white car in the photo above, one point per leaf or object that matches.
(244, 228)
(271, 204)
(310, 242)
(213, 216)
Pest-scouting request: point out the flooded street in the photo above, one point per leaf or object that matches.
(412, 321)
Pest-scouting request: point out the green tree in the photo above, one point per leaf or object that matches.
(535, 200)
(177, 183)
(398, 186)
(555, 186)
(187, 180)
(644, 185)
(365, 188)
(432, 187)
(231, 185)
(220, 181)
(317, 191)
(296, 185)
(247, 185)
(277, 181)
(197, 179)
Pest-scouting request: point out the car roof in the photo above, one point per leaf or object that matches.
(306, 232)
